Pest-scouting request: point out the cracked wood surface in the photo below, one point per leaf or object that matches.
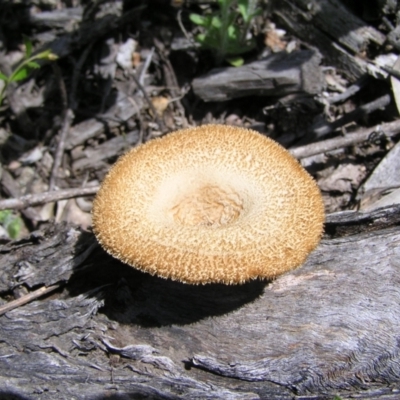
(329, 327)
(276, 75)
(331, 27)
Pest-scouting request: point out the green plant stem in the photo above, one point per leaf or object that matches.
(2, 91)
(245, 30)
(225, 5)
(251, 8)
(43, 55)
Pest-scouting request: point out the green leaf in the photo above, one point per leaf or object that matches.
(224, 30)
(11, 223)
(248, 9)
(243, 6)
(233, 33)
(33, 64)
(3, 77)
(28, 47)
(216, 22)
(4, 214)
(14, 228)
(235, 61)
(225, 3)
(43, 55)
(255, 14)
(198, 19)
(201, 37)
(20, 75)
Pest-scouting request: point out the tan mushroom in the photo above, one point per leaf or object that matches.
(209, 204)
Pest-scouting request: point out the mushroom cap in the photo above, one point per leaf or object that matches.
(209, 204)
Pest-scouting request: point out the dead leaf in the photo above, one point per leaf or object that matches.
(160, 103)
(344, 179)
(273, 39)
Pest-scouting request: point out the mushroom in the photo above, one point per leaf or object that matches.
(209, 204)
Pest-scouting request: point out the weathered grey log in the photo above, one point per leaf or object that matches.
(329, 327)
(386, 174)
(332, 28)
(55, 260)
(277, 75)
(382, 187)
(336, 20)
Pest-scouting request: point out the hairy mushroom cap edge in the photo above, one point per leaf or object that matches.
(209, 204)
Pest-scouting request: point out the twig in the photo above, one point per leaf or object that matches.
(351, 139)
(68, 117)
(160, 123)
(142, 75)
(355, 115)
(170, 80)
(183, 29)
(46, 197)
(146, 66)
(169, 74)
(390, 71)
(351, 90)
(67, 120)
(11, 188)
(28, 298)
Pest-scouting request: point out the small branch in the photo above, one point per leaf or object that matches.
(355, 115)
(28, 298)
(351, 139)
(160, 123)
(46, 197)
(171, 81)
(68, 116)
(351, 91)
(146, 66)
(12, 189)
(183, 29)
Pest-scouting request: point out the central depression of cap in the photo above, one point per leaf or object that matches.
(209, 204)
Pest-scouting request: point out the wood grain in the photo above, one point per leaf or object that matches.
(329, 327)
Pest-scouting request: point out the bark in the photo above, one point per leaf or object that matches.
(331, 27)
(330, 327)
(277, 75)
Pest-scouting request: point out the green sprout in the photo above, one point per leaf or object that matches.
(11, 223)
(25, 67)
(226, 31)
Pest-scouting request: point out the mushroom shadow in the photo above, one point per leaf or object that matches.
(12, 395)
(134, 297)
